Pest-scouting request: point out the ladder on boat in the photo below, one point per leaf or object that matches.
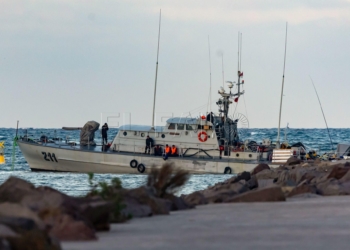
(281, 155)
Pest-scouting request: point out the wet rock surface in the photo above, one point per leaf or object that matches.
(265, 183)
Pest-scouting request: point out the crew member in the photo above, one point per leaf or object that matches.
(157, 150)
(166, 152)
(210, 117)
(173, 151)
(221, 148)
(104, 133)
(149, 145)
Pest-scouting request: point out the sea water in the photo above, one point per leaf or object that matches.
(77, 184)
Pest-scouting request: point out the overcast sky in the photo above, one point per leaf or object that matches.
(63, 63)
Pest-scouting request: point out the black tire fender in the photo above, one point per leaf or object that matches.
(141, 168)
(133, 163)
(228, 170)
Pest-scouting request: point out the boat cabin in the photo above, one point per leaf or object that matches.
(189, 135)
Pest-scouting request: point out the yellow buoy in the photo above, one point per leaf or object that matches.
(2, 149)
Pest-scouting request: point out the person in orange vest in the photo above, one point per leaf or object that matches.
(173, 151)
(166, 152)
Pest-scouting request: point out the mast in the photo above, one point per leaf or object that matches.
(324, 117)
(284, 67)
(222, 65)
(155, 84)
(210, 75)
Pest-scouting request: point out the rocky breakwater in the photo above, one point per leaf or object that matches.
(291, 180)
(40, 217)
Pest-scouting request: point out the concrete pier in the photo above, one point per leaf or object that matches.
(307, 223)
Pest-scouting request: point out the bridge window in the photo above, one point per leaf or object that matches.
(189, 127)
(171, 126)
(180, 126)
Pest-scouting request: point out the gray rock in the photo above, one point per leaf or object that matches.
(304, 196)
(259, 168)
(16, 210)
(292, 161)
(195, 198)
(5, 231)
(301, 189)
(14, 189)
(135, 209)
(145, 196)
(65, 227)
(268, 174)
(267, 194)
(98, 213)
(263, 183)
(333, 187)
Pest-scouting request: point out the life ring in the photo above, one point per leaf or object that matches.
(202, 136)
(141, 168)
(133, 163)
(227, 170)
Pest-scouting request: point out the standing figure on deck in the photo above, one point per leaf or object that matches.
(104, 133)
(149, 145)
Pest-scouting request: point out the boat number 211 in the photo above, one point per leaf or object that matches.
(49, 156)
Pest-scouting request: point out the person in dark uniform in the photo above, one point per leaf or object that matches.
(157, 150)
(149, 145)
(104, 133)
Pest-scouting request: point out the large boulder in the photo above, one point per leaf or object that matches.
(345, 177)
(195, 198)
(338, 171)
(301, 189)
(8, 209)
(98, 213)
(331, 187)
(132, 208)
(18, 224)
(242, 176)
(6, 231)
(34, 239)
(292, 161)
(27, 235)
(14, 189)
(268, 174)
(65, 227)
(260, 195)
(253, 182)
(263, 183)
(259, 168)
(178, 203)
(145, 196)
(225, 192)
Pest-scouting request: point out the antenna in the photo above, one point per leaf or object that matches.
(238, 68)
(324, 117)
(155, 84)
(240, 54)
(284, 67)
(210, 75)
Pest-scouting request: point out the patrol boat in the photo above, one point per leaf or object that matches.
(207, 144)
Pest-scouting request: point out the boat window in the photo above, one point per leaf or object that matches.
(189, 127)
(180, 126)
(171, 126)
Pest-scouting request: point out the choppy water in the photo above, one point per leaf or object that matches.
(77, 184)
